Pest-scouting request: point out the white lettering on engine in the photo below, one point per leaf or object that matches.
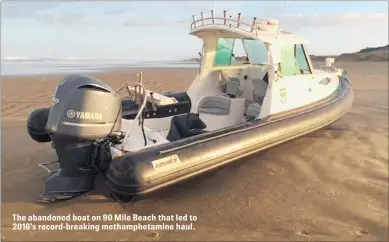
(84, 115)
(89, 115)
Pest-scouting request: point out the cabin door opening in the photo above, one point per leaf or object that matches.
(293, 88)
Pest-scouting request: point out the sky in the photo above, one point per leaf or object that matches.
(159, 30)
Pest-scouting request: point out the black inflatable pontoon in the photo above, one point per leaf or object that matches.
(142, 172)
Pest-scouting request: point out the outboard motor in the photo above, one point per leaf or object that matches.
(85, 112)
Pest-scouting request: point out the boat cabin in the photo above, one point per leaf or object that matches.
(273, 74)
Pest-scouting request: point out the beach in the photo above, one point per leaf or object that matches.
(328, 185)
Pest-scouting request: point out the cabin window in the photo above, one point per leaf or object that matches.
(289, 65)
(200, 60)
(301, 59)
(293, 60)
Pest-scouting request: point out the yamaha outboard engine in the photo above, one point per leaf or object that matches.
(85, 112)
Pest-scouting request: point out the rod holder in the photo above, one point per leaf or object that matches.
(202, 18)
(239, 16)
(213, 17)
(140, 75)
(253, 24)
(225, 17)
(194, 20)
(230, 21)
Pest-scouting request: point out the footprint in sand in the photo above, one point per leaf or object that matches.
(154, 235)
(361, 232)
(304, 232)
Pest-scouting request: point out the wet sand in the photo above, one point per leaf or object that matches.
(328, 185)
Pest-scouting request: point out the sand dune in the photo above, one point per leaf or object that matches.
(367, 54)
(328, 185)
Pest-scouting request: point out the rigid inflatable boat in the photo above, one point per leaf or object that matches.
(235, 106)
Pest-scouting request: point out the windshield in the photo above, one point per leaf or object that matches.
(231, 52)
(224, 52)
(256, 51)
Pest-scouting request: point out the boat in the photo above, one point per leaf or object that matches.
(235, 106)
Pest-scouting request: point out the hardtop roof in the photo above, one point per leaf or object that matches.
(235, 28)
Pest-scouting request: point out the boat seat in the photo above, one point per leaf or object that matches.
(232, 88)
(260, 88)
(253, 110)
(258, 79)
(220, 111)
(184, 126)
(218, 105)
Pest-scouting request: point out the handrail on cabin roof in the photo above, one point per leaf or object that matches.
(232, 23)
(237, 24)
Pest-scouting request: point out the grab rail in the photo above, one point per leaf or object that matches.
(232, 23)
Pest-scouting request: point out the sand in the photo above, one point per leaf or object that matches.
(328, 185)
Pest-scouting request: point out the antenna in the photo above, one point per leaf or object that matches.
(282, 16)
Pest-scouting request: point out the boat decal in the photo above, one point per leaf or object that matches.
(166, 163)
(54, 101)
(283, 95)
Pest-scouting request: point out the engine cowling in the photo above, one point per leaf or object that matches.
(84, 108)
